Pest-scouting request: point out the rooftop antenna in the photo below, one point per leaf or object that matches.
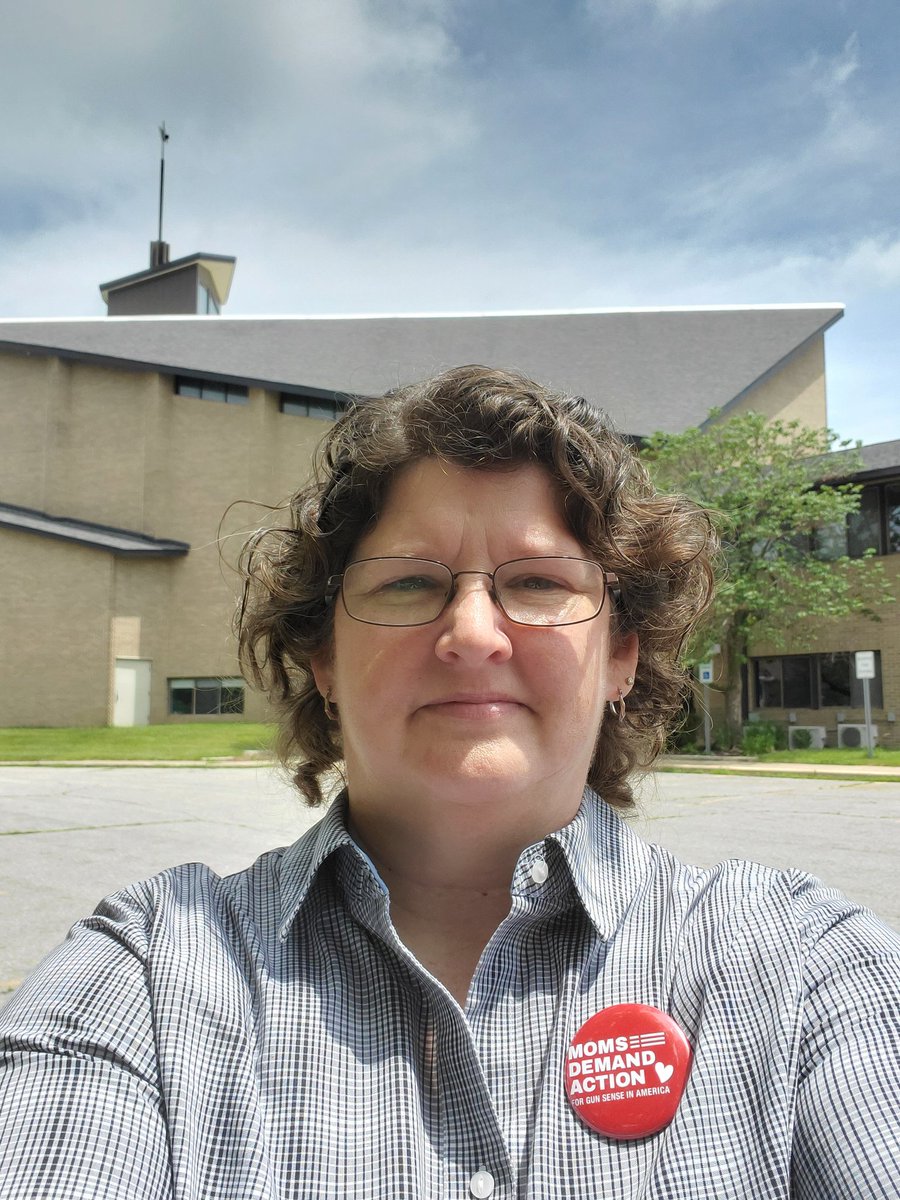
(159, 251)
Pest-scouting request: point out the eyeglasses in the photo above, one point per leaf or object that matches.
(529, 591)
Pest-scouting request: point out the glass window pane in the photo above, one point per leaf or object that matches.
(181, 699)
(864, 527)
(830, 541)
(293, 406)
(232, 699)
(323, 409)
(798, 692)
(834, 675)
(206, 700)
(188, 387)
(892, 517)
(235, 394)
(768, 682)
(214, 391)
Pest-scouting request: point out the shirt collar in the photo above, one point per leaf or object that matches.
(606, 861)
(303, 859)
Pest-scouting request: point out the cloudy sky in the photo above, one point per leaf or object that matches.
(362, 156)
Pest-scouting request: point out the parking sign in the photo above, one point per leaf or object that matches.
(865, 664)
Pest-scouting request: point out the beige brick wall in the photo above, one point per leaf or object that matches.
(120, 448)
(796, 392)
(54, 632)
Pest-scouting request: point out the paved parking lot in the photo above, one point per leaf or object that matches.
(69, 836)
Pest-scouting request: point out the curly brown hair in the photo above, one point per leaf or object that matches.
(660, 546)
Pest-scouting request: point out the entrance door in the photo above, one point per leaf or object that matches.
(132, 705)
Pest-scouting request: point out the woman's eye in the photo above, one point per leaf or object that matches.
(536, 583)
(410, 583)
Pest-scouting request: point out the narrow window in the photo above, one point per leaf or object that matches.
(211, 389)
(864, 526)
(209, 697)
(320, 407)
(892, 517)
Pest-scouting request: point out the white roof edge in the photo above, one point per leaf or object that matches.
(545, 312)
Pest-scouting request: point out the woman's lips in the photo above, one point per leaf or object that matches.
(473, 707)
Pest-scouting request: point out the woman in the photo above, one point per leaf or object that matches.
(470, 979)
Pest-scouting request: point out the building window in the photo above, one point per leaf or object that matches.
(207, 389)
(310, 406)
(892, 517)
(814, 681)
(786, 682)
(876, 526)
(864, 526)
(206, 301)
(214, 697)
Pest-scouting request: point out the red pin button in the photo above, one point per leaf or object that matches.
(626, 1069)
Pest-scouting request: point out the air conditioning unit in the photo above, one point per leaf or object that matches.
(851, 737)
(816, 736)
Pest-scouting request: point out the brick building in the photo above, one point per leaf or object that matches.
(126, 441)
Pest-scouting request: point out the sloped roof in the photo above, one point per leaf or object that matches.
(219, 266)
(649, 368)
(878, 461)
(87, 533)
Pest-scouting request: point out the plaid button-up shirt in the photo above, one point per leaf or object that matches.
(267, 1035)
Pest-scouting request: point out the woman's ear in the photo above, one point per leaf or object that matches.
(322, 666)
(623, 660)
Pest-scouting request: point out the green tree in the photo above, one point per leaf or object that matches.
(782, 510)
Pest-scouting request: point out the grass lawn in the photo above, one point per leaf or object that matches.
(193, 742)
(186, 742)
(843, 758)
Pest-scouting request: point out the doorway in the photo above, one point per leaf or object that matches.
(132, 700)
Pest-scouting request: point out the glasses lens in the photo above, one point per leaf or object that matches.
(396, 591)
(550, 591)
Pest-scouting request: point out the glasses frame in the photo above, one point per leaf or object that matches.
(335, 583)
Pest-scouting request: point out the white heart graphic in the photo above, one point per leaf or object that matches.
(663, 1072)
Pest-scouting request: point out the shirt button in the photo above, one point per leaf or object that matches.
(481, 1185)
(539, 871)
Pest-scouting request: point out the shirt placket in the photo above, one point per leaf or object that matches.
(464, 1143)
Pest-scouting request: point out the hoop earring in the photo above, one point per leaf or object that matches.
(331, 711)
(617, 707)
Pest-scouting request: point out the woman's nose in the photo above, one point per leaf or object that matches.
(473, 625)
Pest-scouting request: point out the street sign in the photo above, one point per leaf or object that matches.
(865, 670)
(705, 672)
(865, 664)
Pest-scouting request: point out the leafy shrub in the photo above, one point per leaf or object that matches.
(802, 739)
(759, 738)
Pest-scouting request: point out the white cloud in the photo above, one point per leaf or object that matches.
(828, 74)
(335, 93)
(837, 151)
(668, 10)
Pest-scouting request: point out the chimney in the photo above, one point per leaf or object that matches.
(159, 254)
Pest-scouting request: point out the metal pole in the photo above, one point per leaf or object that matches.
(868, 711)
(707, 721)
(163, 138)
